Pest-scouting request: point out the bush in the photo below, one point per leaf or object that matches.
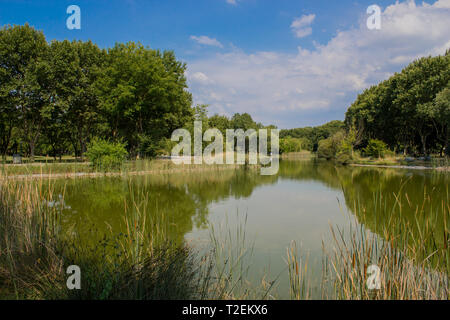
(345, 152)
(106, 155)
(375, 149)
(338, 147)
(328, 148)
(325, 149)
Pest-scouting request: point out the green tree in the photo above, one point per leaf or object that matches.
(328, 148)
(402, 110)
(375, 148)
(440, 115)
(220, 122)
(24, 71)
(143, 94)
(76, 67)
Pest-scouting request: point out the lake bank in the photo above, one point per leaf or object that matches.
(412, 167)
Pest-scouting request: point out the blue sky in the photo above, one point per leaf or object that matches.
(251, 55)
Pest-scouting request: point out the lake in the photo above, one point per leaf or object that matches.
(298, 204)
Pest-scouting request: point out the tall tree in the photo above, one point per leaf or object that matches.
(76, 67)
(143, 94)
(24, 72)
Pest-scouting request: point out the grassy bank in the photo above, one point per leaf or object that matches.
(68, 170)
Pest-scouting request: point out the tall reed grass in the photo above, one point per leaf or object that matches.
(412, 256)
(139, 263)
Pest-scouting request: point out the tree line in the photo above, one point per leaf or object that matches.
(309, 137)
(55, 97)
(410, 111)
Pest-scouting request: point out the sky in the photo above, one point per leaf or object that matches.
(288, 63)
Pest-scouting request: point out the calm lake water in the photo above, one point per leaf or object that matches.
(299, 204)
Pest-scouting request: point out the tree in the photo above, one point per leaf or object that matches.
(143, 94)
(328, 148)
(402, 110)
(76, 67)
(243, 121)
(375, 148)
(440, 114)
(24, 73)
(222, 123)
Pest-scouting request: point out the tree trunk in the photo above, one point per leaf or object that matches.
(82, 149)
(32, 146)
(423, 139)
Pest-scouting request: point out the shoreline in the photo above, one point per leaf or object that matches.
(414, 167)
(73, 175)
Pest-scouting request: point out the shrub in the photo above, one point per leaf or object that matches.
(375, 149)
(325, 149)
(345, 152)
(328, 148)
(106, 155)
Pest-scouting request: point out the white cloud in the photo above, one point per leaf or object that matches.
(301, 26)
(200, 77)
(207, 41)
(314, 86)
(233, 2)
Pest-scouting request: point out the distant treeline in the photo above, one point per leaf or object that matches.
(309, 137)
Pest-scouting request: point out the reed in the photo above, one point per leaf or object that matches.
(412, 257)
(137, 264)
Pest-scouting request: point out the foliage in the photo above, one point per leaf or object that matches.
(56, 97)
(328, 148)
(289, 144)
(314, 134)
(409, 111)
(338, 147)
(375, 148)
(106, 155)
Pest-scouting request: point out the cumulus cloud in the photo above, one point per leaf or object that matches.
(301, 26)
(314, 86)
(205, 40)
